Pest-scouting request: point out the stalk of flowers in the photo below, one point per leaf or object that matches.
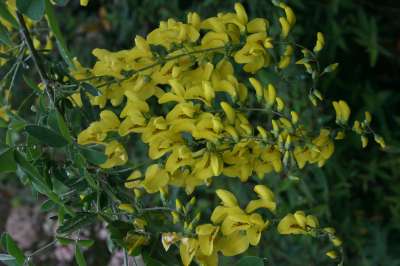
(202, 73)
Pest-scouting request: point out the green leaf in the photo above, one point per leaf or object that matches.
(46, 136)
(65, 241)
(331, 68)
(62, 126)
(14, 250)
(80, 260)
(87, 106)
(6, 257)
(149, 261)
(31, 84)
(250, 260)
(7, 162)
(38, 181)
(34, 9)
(61, 2)
(79, 221)
(90, 89)
(5, 36)
(47, 206)
(55, 28)
(5, 14)
(93, 156)
(86, 243)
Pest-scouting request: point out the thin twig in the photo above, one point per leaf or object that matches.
(126, 258)
(35, 57)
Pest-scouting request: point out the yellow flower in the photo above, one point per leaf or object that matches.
(286, 57)
(187, 249)
(241, 13)
(331, 254)
(253, 53)
(297, 223)
(244, 228)
(84, 2)
(206, 234)
(97, 131)
(170, 32)
(229, 112)
(322, 148)
(342, 110)
(320, 42)
(266, 200)
(167, 239)
(257, 87)
(3, 114)
(285, 27)
(130, 181)
(257, 25)
(116, 155)
(378, 139)
(290, 16)
(155, 178)
(134, 240)
(234, 244)
(126, 207)
(270, 95)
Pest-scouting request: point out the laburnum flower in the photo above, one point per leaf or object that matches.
(97, 131)
(3, 114)
(297, 223)
(168, 239)
(116, 155)
(134, 240)
(319, 151)
(84, 2)
(319, 45)
(253, 54)
(206, 234)
(342, 110)
(187, 249)
(241, 228)
(170, 32)
(155, 178)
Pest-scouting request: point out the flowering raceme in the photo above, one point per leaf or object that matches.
(202, 74)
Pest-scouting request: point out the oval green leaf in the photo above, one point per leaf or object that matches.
(46, 136)
(93, 156)
(7, 162)
(14, 250)
(79, 258)
(34, 9)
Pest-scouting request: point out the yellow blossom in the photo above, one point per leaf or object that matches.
(84, 2)
(116, 155)
(297, 223)
(342, 111)
(3, 114)
(320, 42)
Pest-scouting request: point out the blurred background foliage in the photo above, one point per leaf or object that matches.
(358, 191)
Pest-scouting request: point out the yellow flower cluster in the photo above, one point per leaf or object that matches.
(201, 136)
(232, 230)
(181, 89)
